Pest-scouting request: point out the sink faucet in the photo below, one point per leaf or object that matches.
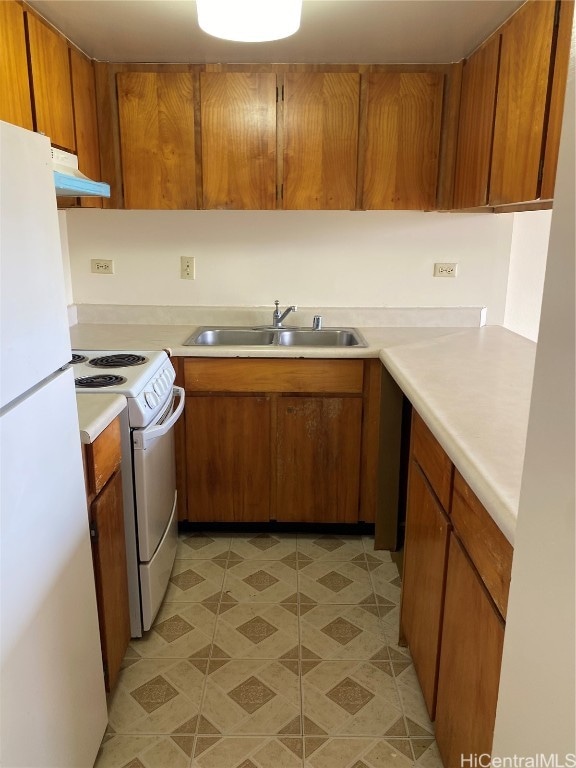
(277, 318)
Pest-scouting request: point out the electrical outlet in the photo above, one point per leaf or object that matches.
(188, 267)
(445, 269)
(102, 266)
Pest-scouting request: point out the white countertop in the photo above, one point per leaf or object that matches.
(95, 412)
(472, 387)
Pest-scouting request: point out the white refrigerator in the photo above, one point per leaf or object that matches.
(52, 698)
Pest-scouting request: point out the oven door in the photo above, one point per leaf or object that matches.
(155, 476)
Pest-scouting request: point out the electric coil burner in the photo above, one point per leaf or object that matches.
(78, 359)
(99, 381)
(122, 360)
(154, 404)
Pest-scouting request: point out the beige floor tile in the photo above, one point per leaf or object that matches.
(328, 547)
(429, 758)
(349, 698)
(248, 752)
(146, 751)
(155, 696)
(357, 753)
(253, 698)
(196, 581)
(255, 631)
(181, 630)
(414, 706)
(335, 582)
(203, 546)
(260, 581)
(264, 546)
(386, 583)
(344, 632)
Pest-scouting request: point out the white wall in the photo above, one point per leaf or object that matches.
(536, 708)
(530, 235)
(314, 258)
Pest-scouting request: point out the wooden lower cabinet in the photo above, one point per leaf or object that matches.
(425, 557)
(318, 459)
(472, 641)
(109, 556)
(278, 440)
(228, 458)
(106, 517)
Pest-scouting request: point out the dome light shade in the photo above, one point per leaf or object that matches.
(249, 21)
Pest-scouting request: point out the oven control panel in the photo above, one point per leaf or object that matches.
(154, 398)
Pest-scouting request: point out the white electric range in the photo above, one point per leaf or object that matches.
(146, 379)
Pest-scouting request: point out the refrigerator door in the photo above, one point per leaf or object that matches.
(34, 335)
(53, 701)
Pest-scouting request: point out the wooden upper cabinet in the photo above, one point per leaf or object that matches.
(519, 128)
(238, 117)
(402, 140)
(86, 121)
(320, 140)
(15, 103)
(558, 91)
(476, 126)
(156, 112)
(51, 84)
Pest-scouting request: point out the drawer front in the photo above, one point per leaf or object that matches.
(258, 375)
(103, 456)
(485, 543)
(433, 460)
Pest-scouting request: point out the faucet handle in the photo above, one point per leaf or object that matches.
(317, 323)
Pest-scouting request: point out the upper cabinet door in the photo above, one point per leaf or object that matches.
(402, 140)
(156, 112)
(476, 128)
(86, 121)
(238, 140)
(521, 104)
(51, 84)
(15, 104)
(320, 140)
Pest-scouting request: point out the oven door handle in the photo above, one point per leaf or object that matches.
(144, 436)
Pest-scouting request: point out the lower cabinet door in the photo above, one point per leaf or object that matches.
(471, 656)
(318, 459)
(109, 553)
(426, 551)
(228, 458)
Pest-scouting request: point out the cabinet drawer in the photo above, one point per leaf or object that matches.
(431, 457)
(258, 375)
(103, 457)
(484, 542)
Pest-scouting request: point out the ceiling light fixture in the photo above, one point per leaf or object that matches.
(249, 21)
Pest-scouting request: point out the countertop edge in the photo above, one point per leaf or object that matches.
(96, 412)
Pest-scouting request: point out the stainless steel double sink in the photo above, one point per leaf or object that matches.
(224, 336)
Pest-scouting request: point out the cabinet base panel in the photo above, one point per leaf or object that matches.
(360, 529)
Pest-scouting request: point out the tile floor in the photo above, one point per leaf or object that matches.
(272, 651)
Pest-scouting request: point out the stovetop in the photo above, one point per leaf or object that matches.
(144, 378)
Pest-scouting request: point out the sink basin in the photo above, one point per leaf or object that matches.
(285, 337)
(224, 337)
(327, 337)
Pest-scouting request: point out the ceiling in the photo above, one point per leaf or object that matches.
(335, 31)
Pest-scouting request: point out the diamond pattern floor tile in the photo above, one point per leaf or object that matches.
(196, 581)
(253, 698)
(156, 696)
(180, 630)
(256, 631)
(328, 547)
(267, 581)
(335, 582)
(350, 698)
(248, 752)
(145, 752)
(272, 651)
